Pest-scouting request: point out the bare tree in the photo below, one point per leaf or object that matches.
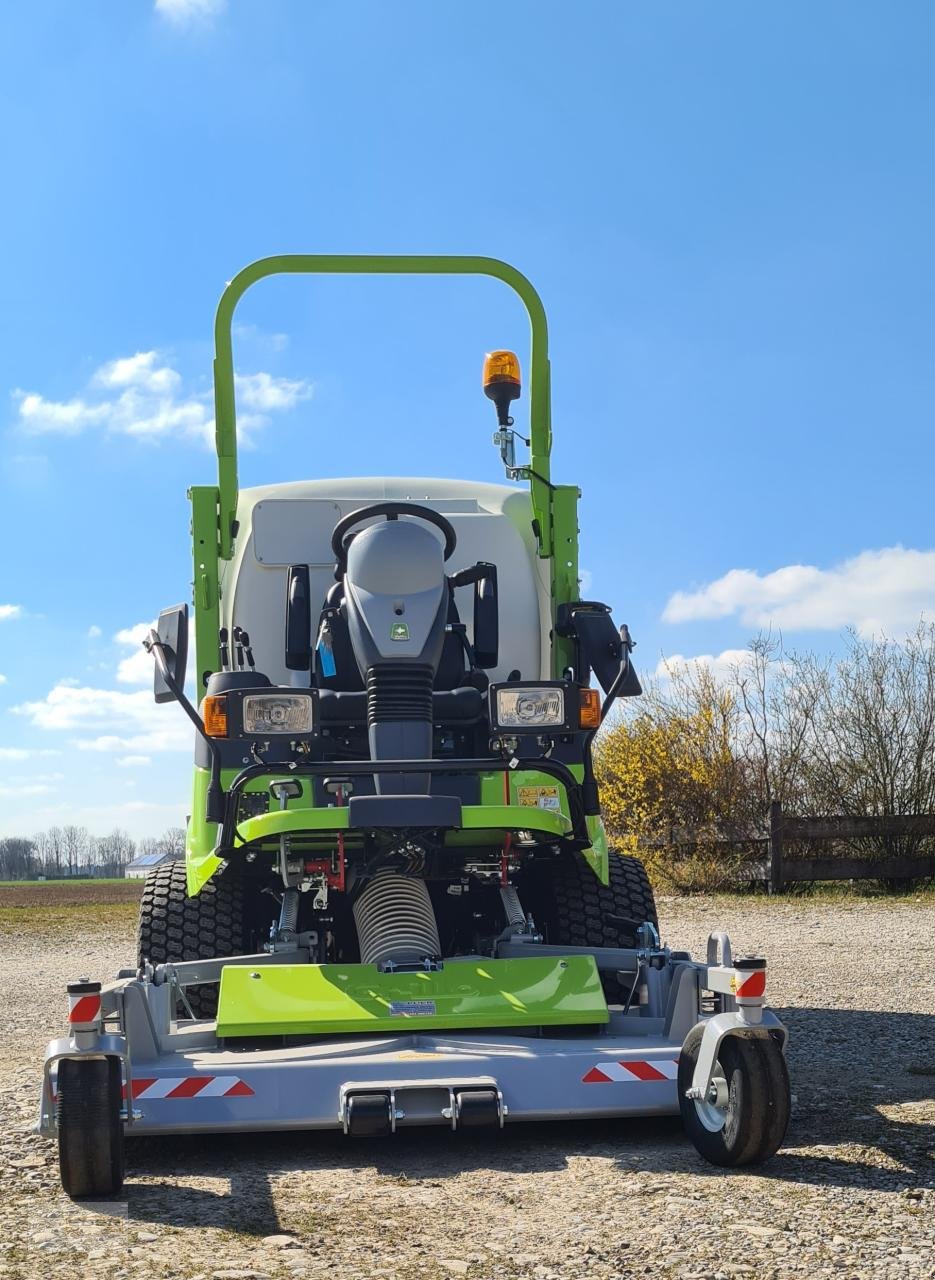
(172, 842)
(776, 716)
(51, 849)
(871, 746)
(112, 852)
(76, 848)
(18, 860)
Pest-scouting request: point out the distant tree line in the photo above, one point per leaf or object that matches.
(66, 851)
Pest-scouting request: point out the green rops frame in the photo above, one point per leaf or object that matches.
(214, 508)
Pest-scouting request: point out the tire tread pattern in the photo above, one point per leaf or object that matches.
(90, 1127)
(173, 926)
(574, 909)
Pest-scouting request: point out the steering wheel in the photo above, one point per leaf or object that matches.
(392, 511)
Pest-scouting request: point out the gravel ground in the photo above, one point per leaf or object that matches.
(851, 1195)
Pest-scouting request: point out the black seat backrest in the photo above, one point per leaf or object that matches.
(346, 672)
(452, 666)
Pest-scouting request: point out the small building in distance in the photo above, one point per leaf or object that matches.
(143, 863)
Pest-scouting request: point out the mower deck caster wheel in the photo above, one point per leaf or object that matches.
(90, 1127)
(743, 1118)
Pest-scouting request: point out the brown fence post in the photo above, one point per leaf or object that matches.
(775, 847)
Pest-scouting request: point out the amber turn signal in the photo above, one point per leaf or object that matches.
(214, 714)
(589, 714)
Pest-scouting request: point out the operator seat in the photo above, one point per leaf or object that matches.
(457, 691)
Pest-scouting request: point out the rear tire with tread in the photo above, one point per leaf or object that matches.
(572, 908)
(173, 926)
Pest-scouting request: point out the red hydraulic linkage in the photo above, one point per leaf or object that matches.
(331, 868)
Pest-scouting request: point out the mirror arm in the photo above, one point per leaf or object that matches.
(591, 797)
(214, 802)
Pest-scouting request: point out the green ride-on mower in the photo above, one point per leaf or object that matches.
(398, 905)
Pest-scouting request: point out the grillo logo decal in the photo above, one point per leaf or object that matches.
(399, 631)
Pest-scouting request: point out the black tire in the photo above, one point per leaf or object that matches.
(90, 1127)
(173, 926)
(572, 908)
(758, 1100)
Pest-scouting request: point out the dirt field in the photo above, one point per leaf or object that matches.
(851, 1195)
(69, 893)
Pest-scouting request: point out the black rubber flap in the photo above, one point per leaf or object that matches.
(396, 812)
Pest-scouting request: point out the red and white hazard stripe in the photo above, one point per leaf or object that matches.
(752, 986)
(84, 1010)
(629, 1070)
(190, 1087)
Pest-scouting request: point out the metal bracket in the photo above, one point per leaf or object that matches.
(715, 1029)
(91, 1046)
(450, 1112)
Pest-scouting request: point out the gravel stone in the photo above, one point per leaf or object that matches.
(850, 1196)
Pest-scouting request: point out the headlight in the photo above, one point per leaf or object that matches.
(531, 706)
(277, 713)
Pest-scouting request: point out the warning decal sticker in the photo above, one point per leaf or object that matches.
(539, 797)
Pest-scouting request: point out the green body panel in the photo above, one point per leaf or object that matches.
(484, 824)
(205, 588)
(565, 585)
(598, 856)
(474, 817)
(200, 859)
(311, 999)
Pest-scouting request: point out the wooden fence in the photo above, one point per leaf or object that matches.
(781, 829)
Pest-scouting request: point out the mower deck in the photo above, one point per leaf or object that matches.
(258, 1067)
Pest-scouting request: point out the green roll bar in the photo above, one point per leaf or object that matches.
(214, 510)
(363, 264)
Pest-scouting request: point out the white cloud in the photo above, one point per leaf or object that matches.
(720, 665)
(94, 633)
(132, 762)
(260, 338)
(3, 679)
(30, 789)
(264, 392)
(876, 592)
(141, 370)
(139, 818)
(8, 611)
(150, 403)
(64, 417)
(147, 417)
(137, 666)
(24, 753)
(183, 13)
(125, 722)
(177, 736)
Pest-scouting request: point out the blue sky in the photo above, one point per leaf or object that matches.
(727, 209)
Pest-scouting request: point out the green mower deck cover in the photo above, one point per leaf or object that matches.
(328, 999)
